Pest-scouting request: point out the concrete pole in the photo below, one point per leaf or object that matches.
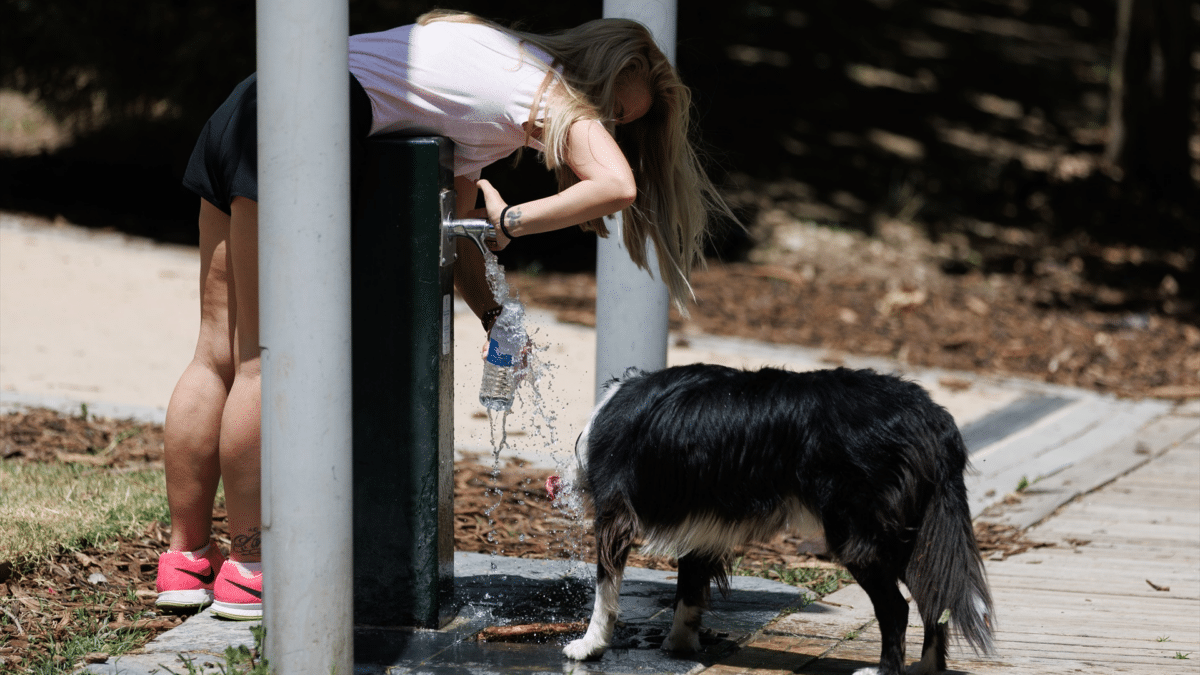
(304, 281)
(631, 305)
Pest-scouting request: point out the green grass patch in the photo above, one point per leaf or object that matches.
(819, 580)
(47, 506)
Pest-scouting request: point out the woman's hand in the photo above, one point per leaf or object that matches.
(493, 208)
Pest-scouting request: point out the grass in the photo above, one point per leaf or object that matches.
(44, 507)
(91, 633)
(820, 580)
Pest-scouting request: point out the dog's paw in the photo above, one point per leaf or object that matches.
(867, 671)
(584, 648)
(682, 642)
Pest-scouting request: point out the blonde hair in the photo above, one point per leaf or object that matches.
(675, 196)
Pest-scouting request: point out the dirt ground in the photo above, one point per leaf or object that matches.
(895, 294)
(1073, 312)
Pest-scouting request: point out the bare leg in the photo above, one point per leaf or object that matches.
(193, 423)
(241, 436)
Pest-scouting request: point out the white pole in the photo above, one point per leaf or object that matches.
(304, 273)
(631, 305)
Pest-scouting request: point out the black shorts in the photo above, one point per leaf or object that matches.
(224, 163)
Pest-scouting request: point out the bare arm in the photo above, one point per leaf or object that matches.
(605, 186)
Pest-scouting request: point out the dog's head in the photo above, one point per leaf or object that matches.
(556, 486)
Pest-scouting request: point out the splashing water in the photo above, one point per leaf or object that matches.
(532, 372)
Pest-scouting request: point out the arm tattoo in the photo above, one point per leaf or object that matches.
(513, 217)
(248, 545)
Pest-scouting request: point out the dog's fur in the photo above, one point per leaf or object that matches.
(701, 459)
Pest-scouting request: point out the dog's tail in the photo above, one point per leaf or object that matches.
(946, 574)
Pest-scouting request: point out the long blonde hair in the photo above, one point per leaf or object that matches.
(675, 196)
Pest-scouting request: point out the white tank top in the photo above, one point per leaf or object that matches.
(468, 82)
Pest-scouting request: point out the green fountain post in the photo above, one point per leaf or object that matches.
(402, 311)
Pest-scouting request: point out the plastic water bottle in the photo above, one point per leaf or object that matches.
(500, 369)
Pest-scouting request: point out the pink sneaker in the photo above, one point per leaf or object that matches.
(184, 581)
(238, 593)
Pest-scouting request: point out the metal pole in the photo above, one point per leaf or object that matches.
(304, 272)
(631, 305)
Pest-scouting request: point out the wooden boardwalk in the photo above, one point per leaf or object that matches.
(1119, 592)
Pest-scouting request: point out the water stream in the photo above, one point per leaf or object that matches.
(533, 371)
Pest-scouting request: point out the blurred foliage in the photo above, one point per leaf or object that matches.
(94, 62)
(947, 113)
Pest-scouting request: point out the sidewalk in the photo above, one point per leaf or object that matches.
(100, 319)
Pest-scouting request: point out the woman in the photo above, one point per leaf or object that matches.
(600, 103)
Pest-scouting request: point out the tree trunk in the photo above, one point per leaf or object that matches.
(1150, 110)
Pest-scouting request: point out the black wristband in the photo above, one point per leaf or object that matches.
(504, 212)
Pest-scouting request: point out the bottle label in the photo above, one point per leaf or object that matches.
(497, 357)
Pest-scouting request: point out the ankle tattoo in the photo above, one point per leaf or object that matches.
(247, 545)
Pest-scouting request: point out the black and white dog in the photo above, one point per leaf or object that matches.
(700, 459)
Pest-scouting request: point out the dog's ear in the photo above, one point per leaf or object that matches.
(632, 372)
(610, 384)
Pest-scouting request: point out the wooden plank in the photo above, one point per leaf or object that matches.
(1066, 476)
(1151, 644)
(1071, 544)
(1115, 575)
(1135, 533)
(1116, 580)
(1142, 515)
(1107, 563)
(865, 648)
(1107, 623)
(1100, 544)
(1026, 589)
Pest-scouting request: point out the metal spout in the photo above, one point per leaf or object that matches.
(476, 229)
